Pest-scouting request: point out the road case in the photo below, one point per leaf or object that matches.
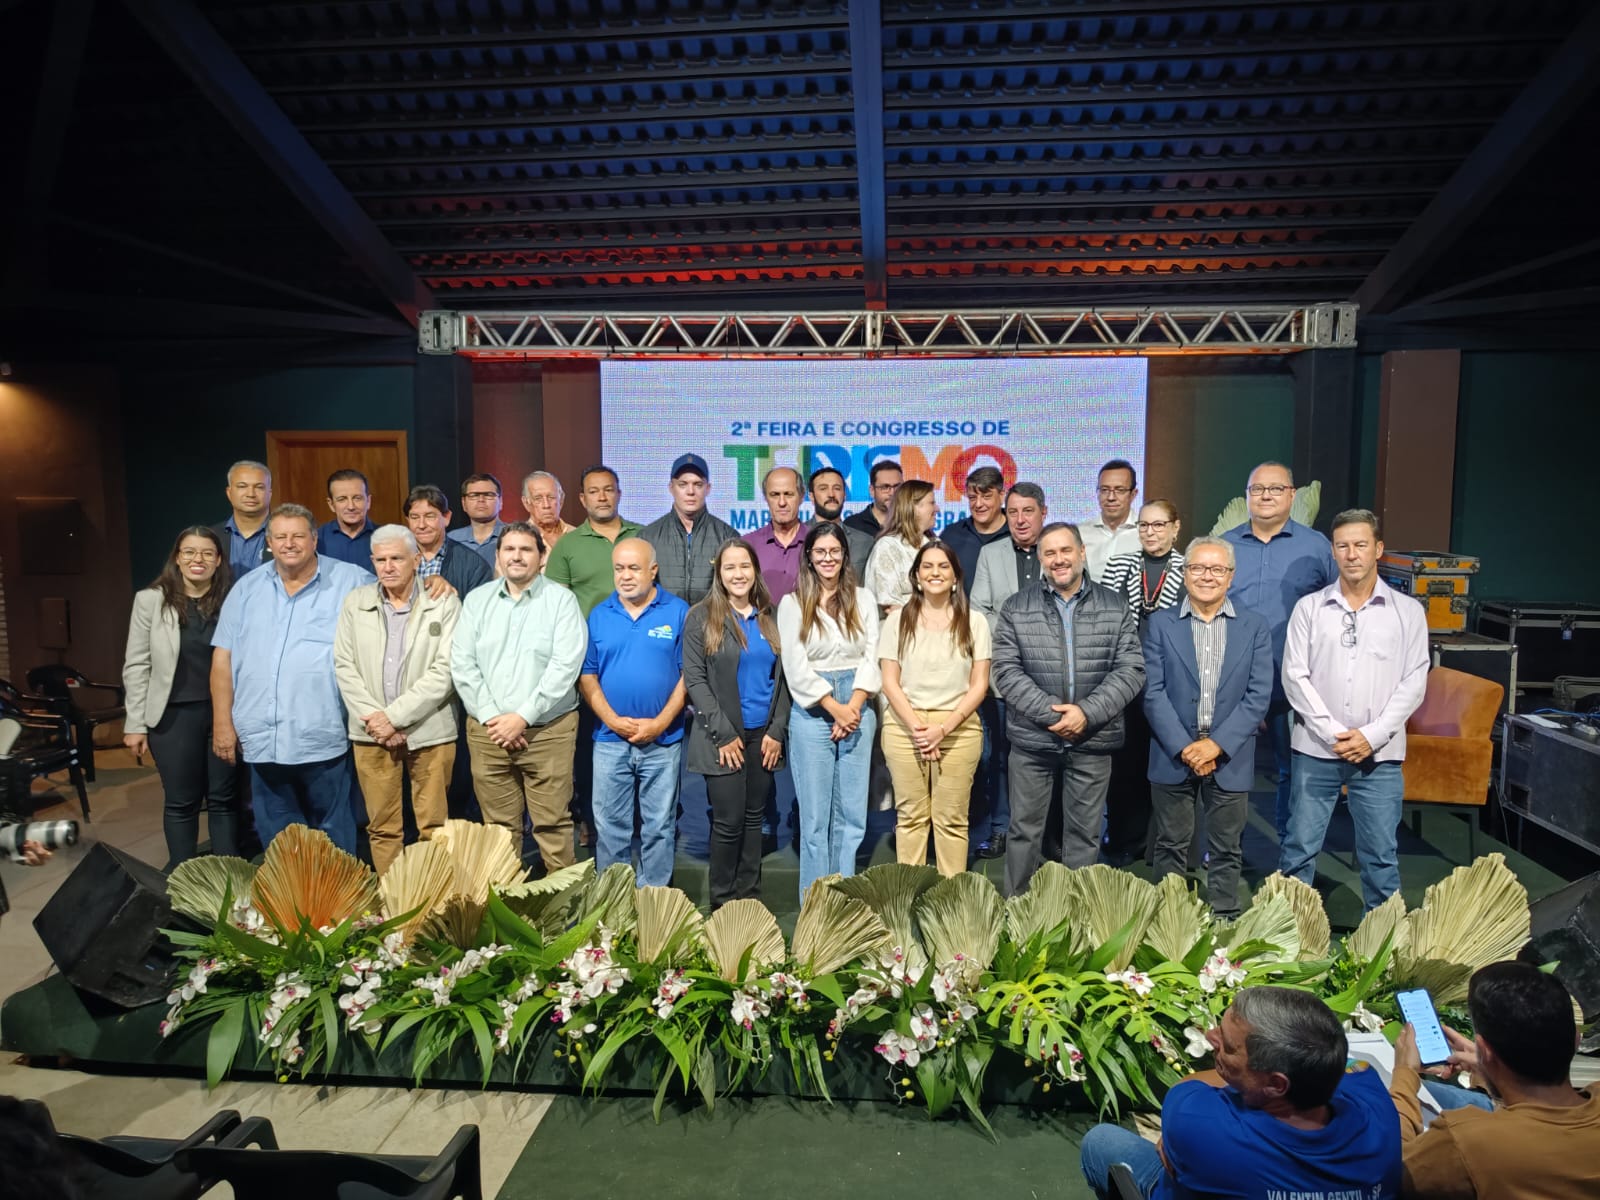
(1439, 581)
(1551, 639)
(1550, 775)
(1485, 657)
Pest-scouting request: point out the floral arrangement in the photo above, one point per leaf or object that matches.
(1098, 985)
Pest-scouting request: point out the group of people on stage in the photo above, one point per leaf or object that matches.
(974, 670)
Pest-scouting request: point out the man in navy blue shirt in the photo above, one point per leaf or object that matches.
(1280, 1116)
(348, 537)
(633, 680)
(249, 495)
(1277, 560)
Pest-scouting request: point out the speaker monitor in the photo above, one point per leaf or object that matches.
(103, 928)
(1566, 931)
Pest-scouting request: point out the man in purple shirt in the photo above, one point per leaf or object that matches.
(777, 544)
(1355, 667)
(1278, 560)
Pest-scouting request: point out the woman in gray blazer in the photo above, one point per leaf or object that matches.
(734, 676)
(167, 674)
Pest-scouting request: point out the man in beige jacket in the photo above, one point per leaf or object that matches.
(391, 656)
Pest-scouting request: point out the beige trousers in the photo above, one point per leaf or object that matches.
(382, 775)
(539, 776)
(932, 793)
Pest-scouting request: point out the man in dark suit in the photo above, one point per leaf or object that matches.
(1208, 681)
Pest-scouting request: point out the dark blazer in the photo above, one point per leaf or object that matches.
(1030, 666)
(463, 568)
(1172, 691)
(713, 686)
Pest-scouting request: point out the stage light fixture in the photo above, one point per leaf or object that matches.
(6, 370)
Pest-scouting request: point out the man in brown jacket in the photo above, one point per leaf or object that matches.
(1543, 1138)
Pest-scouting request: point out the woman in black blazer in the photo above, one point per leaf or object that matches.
(167, 675)
(734, 676)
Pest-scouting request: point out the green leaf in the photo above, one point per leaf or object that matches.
(482, 1036)
(330, 1023)
(223, 1042)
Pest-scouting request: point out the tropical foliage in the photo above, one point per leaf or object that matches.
(1094, 985)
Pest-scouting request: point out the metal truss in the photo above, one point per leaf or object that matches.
(1230, 329)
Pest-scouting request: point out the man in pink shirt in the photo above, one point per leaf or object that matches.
(1355, 667)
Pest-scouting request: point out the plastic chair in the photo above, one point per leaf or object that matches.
(61, 682)
(268, 1173)
(43, 745)
(139, 1168)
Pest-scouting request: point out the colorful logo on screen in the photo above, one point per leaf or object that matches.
(945, 466)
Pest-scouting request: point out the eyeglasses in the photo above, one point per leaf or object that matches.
(202, 555)
(1152, 526)
(1207, 570)
(480, 495)
(1347, 639)
(826, 555)
(1269, 489)
(1109, 490)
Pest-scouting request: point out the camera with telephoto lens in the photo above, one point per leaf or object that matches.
(52, 835)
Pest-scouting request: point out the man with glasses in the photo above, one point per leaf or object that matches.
(480, 497)
(1355, 667)
(884, 479)
(1208, 681)
(1113, 531)
(1277, 560)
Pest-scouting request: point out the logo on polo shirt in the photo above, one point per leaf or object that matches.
(661, 631)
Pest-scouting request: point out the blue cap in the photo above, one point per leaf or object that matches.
(690, 462)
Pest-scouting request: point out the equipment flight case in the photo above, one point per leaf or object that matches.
(1439, 582)
(1551, 639)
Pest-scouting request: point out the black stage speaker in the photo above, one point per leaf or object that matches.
(102, 928)
(1566, 930)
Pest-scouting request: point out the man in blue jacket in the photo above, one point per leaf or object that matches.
(1208, 682)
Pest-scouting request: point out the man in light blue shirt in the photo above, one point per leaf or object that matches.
(274, 699)
(1277, 560)
(633, 680)
(480, 500)
(515, 658)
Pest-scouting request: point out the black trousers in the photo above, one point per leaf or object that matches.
(738, 801)
(191, 775)
(1225, 817)
(1128, 804)
(1084, 778)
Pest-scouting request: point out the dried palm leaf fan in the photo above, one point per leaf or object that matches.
(1311, 921)
(670, 926)
(417, 882)
(1390, 916)
(458, 922)
(197, 886)
(1180, 920)
(303, 874)
(1474, 916)
(1051, 898)
(891, 890)
(961, 919)
(834, 929)
(1270, 919)
(740, 926)
(484, 857)
(1109, 899)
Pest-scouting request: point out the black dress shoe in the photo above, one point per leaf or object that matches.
(995, 847)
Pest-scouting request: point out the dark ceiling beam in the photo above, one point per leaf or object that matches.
(1493, 306)
(206, 264)
(866, 86)
(58, 84)
(1527, 266)
(191, 41)
(1533, 118)
(176, 317)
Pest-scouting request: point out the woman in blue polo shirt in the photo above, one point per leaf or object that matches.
(734, 676)
(828, 628)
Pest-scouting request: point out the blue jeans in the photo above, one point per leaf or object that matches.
(993, 814)
(1107, 1144)
(317, 794)
(1449, 1096)
(830, 784)
(619, 768)
(1376, 792)
(1278, 736)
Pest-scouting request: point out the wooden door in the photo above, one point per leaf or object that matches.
(302, 459)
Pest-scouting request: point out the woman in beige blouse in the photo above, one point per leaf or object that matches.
(934, 655)
(912, 515)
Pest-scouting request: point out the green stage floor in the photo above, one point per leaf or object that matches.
(773, 1147)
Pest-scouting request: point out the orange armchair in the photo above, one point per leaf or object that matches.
(1449, 747)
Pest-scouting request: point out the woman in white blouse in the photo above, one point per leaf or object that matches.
(934, 654)
(828, 628)
(912, 515)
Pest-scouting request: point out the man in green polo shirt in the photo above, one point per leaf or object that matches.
(581, 560)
